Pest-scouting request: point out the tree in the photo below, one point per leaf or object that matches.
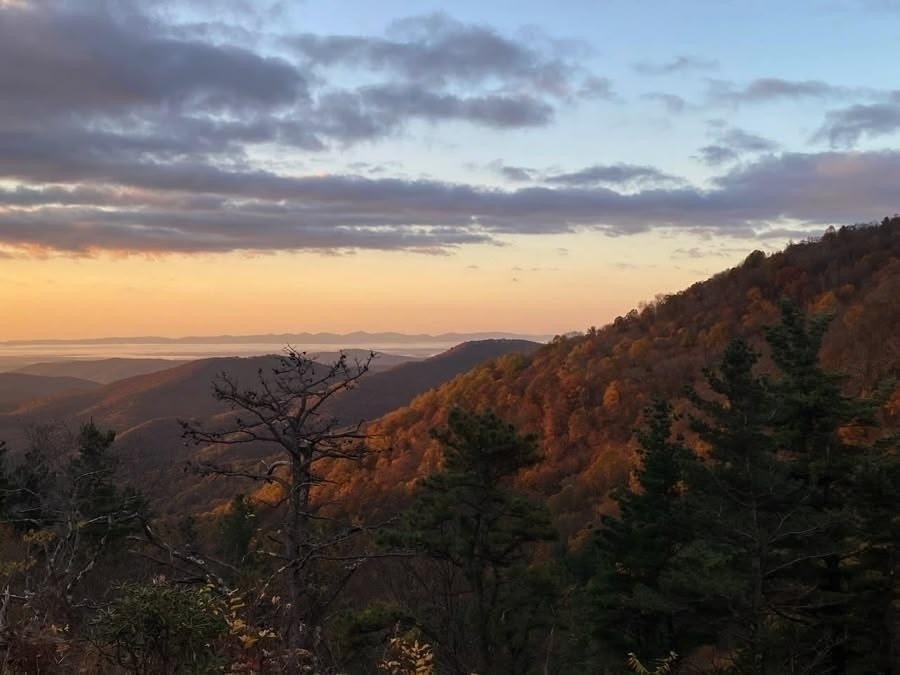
(635, 604)
(849, 479)
(795, 494)
(473, 525)
(69, 520)
(748, 507)
(236, 530)
(287, 412)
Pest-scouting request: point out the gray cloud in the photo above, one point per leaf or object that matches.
(493, 110)
(255, 210)
(57, 61)
(438, 50)
(598, 174)
(516, 174)
(847, 126)
(113, 81)
(768, 89)
(732, 144)
(715, 154)
(612, 174)
(679, 64)
(128, 133)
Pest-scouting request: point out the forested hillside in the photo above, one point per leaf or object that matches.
(583, 395)
(17, 388)
(102, 371)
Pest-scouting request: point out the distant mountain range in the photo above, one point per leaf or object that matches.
(106, 371)
(338, 339)
(144, 409)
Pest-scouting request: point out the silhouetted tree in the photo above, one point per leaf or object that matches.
(286, 411)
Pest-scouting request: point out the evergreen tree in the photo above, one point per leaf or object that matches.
(749, 508)
(105, 510)
(72, 519)
(466, 517)
(237, 530)
(635, 606)
(850, 481)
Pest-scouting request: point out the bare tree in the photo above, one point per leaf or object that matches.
(289, 409)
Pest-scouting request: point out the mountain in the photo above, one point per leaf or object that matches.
(144, 409)
(583, 395)
(382, 392)
(102, 371)
(358, 338)
(17, 388)
(106, 371)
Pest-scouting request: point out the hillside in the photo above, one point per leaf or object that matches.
(382, 392)
(144, 409)
(102, 371)
(17, 388)
(584, 395)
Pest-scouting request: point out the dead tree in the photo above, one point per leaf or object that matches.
(289, 409)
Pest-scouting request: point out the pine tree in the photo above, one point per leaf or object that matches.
(635, 606)
(468, 517)
(748, 507)
(851, 487)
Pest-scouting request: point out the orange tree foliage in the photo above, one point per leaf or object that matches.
(583, 395)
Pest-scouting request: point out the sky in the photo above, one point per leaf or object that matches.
(251, 166)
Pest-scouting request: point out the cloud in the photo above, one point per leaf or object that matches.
(622, 175)
(680, 64)
(732, 144)
(673, 103)
(492, 110)
(597, 88)
(254, 210)
(56, 61)
(846, 127)
(516, 174)
(767, 89)
(123, 131)
(112, 80)
(612, 174)
(437, 50)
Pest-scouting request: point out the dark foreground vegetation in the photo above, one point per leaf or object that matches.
(756, 532)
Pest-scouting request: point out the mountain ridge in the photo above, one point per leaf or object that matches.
(583, 396)
(353, 338)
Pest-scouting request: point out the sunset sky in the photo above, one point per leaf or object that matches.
(175, 168)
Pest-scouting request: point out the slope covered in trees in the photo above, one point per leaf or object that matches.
(17, 388)
(583, 395)
(102, 371)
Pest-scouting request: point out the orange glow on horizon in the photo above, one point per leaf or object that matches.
(539, 285)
